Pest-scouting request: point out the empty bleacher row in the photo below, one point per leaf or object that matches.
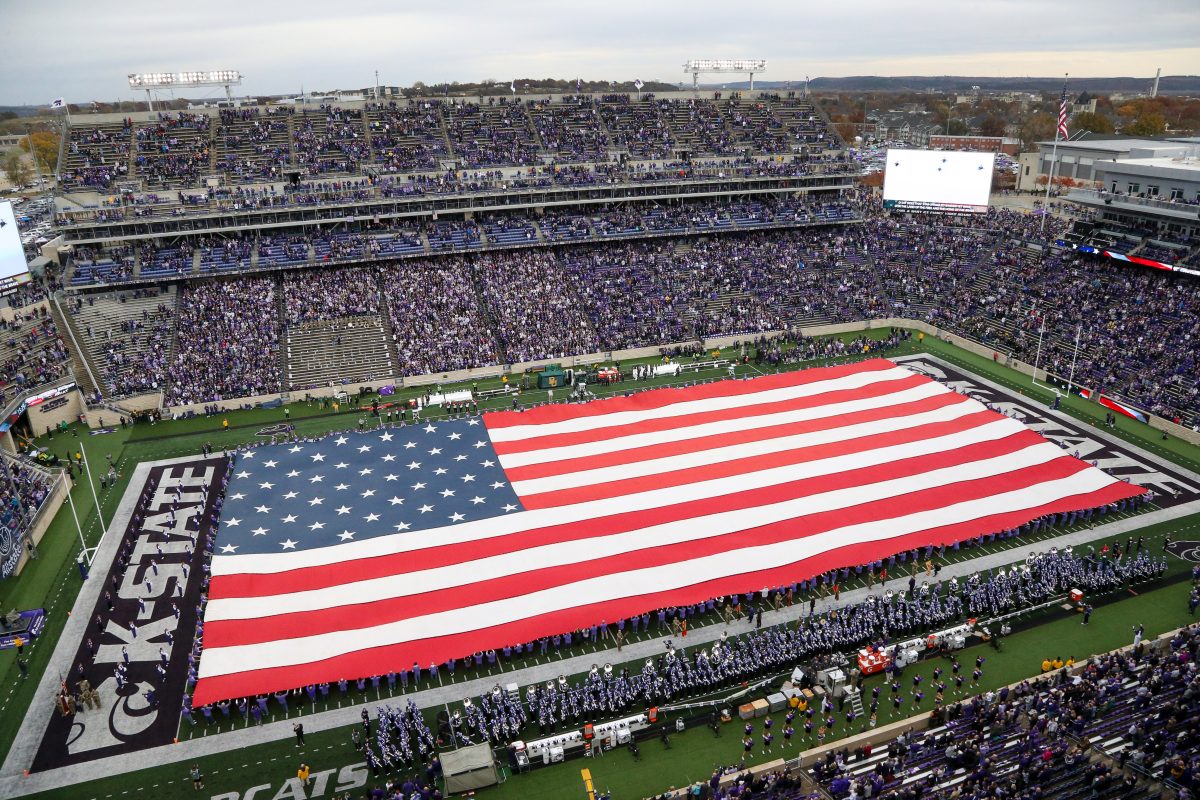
(245, 146)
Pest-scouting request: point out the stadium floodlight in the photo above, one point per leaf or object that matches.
(741, 66)
(149, 81)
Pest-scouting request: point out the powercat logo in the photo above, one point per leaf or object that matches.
(1186, 549)
(276, 430)
(320, 784)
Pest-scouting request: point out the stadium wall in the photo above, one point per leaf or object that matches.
(495, 371)
(45, 515)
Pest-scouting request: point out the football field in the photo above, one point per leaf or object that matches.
(134, 748)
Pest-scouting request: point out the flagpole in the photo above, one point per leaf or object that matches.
(1053, 161)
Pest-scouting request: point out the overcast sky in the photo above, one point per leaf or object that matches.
(83, 49)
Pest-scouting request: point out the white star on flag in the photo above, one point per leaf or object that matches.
(288, 545)
(318, 456)
(343, 510)
(270, 463)
(242, 474)
(430, 429)
(229, 548)
(316, 526)
(341, 440)
(454, 437)
(396, 501)
(389, 457)
(316, 501)
(266, 485)
(366, 448)
(446, 493)
(293, 474)
(368, 493)
(456, 517)
(425, 509)
(418, 486)
(261, 531)
(346, 536)
(262, 509)
(387, 437)
(295, 448)
(289, 496)
(414, 465)
(233, 522)
(371, 517)
(289, 518)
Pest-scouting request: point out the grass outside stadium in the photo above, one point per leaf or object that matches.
(52, 582)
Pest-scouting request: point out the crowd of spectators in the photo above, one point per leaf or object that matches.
(317, 295)
(971, 275)
(227, 342)
(33, 351)
(534, 311)
(436, 318)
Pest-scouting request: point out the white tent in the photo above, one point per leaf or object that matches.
(469, 768)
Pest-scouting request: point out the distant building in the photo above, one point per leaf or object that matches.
(982, 144)
(1079, 158)
(1085, 103)
(1158, 196)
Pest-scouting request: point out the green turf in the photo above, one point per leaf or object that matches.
(697, 752)
(53, 581)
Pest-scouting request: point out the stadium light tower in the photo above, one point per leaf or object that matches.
(739, 66)
(150, 81)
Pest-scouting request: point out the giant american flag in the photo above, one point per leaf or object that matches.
(368, 552)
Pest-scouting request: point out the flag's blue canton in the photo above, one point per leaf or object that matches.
(357, 486)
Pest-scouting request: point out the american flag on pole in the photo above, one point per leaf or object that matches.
(366, 553)
(1062, 114)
